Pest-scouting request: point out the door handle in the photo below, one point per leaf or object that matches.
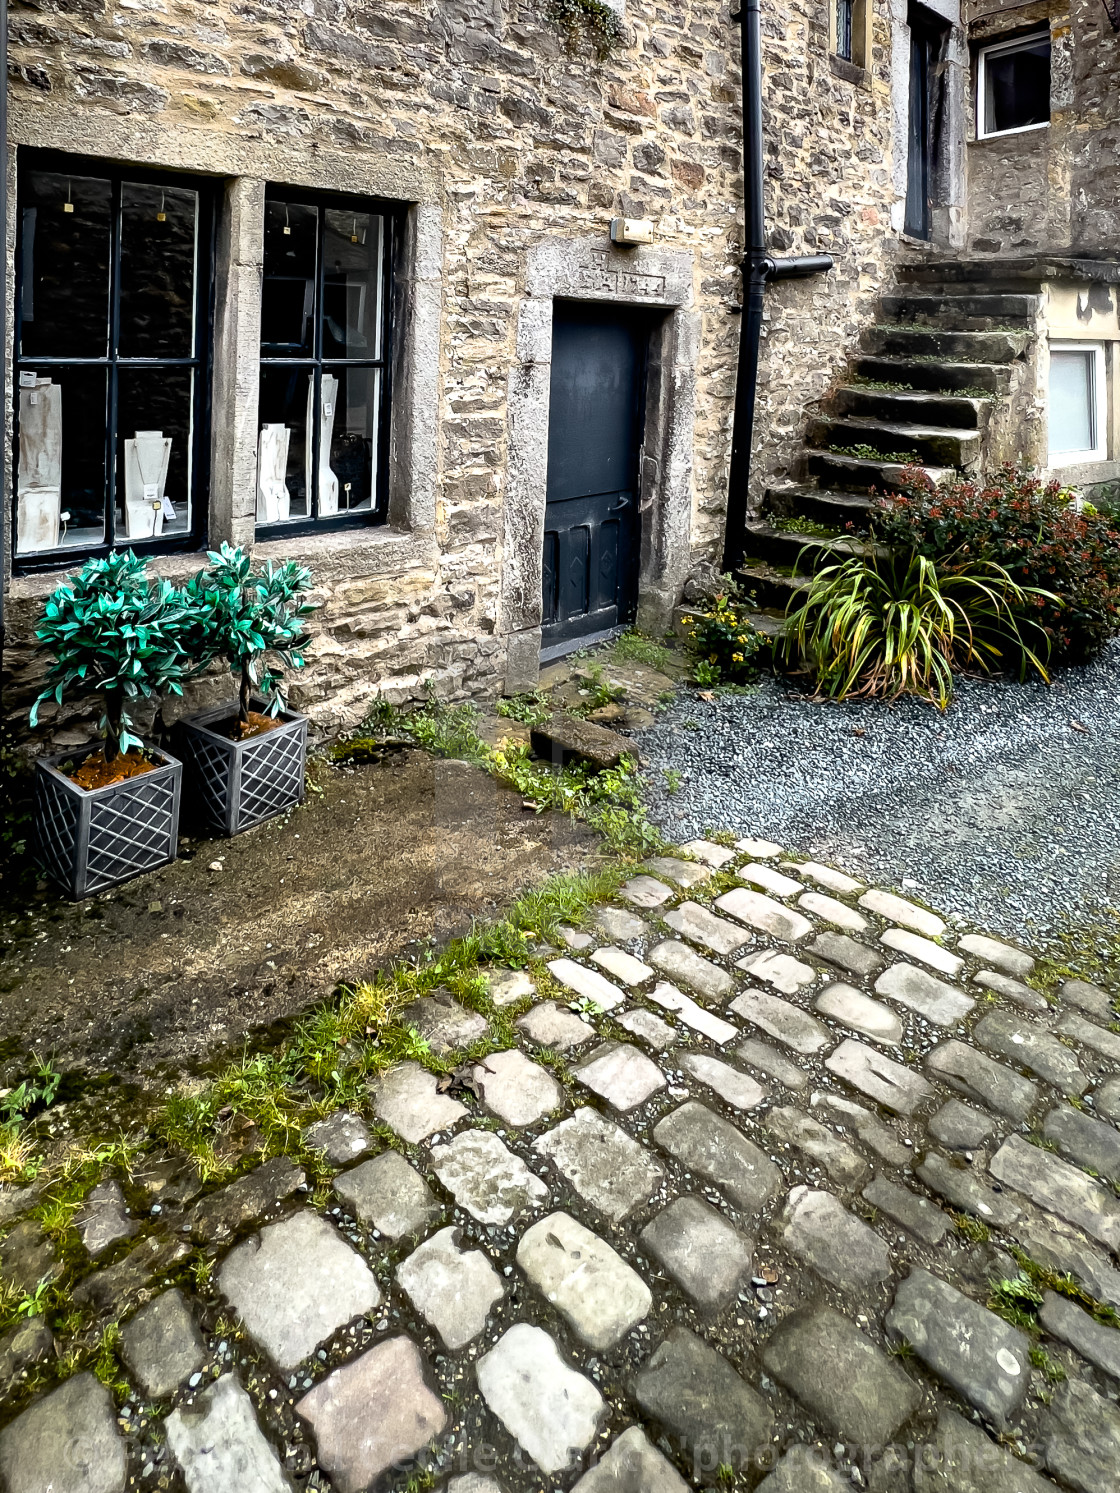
(623, 502)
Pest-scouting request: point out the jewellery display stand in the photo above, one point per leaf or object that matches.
(328, 482)
(40, 466)
(274, 501)
(146, 459)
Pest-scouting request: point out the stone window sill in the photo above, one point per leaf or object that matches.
(850, 72)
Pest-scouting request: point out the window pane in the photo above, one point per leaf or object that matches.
(1072, 406)
(158, 245)
(60, 458)
(844, 29)
(155, 428)
(1018, 87)
(352, 245)
(283, 449)
(288, 299)
(64, 301)
(349, 480)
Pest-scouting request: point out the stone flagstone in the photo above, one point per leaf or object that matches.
(620, 925)
(161, 1344)
(67, 1442)
(371, 1414)
(692, 921)
(701, 1251)
(407, 1100)
(620, 1074)
(295, 1284)
(486, 1178)
(715, 1417)
(898, 910)
(588, 983)
(764, 914)
(1090, 1035)
(711, 1146)
(646, 891)
(608, 1168)
(1063, 1319)
(682, 873)
(783, 1021)
(389, 1195)
(922, 1218)
(833, 911)
(1030, 1046)
(840, 1376)
(650, 1028)
(732, 1086)
(818, 1229)
(847, 953)
(682, 963)
(914, 946)
(981, 1356)
(938, 1002)
(632, 1465)
(555, 1026)
(218, 1445)
(669, 998)
(1091, 1143)
(1003, 956)
(819, 1145)
(785, 973)
(550, 1410)
(978, 1077)
(851, 1008)
(1059, 1187)
(623, 966)
(451, 1288)
(770, 880)
(879, 1077)
(515, 1089)
(584, 1278)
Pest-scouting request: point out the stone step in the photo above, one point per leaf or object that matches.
(857, 472)
(962, 309)
(913, 407)
(788, 549)
(935, 374)
(774, 591)
(978, 347)
(943, 446)
(836, 510)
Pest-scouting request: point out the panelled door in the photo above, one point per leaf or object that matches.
(592, 525)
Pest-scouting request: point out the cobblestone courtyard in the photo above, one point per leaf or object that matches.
(787, 1184)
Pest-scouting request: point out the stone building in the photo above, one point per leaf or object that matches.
(337, 280)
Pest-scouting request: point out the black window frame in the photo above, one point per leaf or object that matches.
(119, 173)
(393, 215)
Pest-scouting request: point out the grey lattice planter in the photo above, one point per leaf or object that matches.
(230, 785)
(89, 839)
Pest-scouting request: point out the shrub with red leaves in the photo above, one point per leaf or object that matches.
(1033, 530)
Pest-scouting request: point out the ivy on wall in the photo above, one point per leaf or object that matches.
(587, 20)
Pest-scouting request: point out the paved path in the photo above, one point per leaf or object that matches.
(734, 1211)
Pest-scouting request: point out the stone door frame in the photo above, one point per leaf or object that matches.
(595, 271)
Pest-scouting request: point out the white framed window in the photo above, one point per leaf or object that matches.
(1078, 411)
(1013, 86)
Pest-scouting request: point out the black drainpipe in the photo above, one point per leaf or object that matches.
(8, 517)
(758, 268)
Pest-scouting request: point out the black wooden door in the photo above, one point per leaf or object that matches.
(592, 528)
(920, 144)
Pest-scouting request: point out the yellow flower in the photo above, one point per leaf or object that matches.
(736, 658)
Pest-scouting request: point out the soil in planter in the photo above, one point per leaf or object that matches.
(95, 772)
(256, 725)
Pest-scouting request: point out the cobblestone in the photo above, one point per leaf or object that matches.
(443, 1023)
(681, 963)
(1090, 1035)
(1088, 998)
(681, 873)
(979, 1078)
(914, 946)
(879, 1077)
(104, 1220)
(515, 1089)
(66, 1442)
(646, 891)
(650, 1028)
(1091, 1143)
(486, 1178)
(389, 1195)
(669, 998)
(931, 998)
(161, 1344)
(701, 1251)
(960, 1127)
(1015, 990)
(733, 1087)
(218, 1445)
(623, 966)
(967, 1192)
(1082, 1439)
(859, 1013)
(819, 1145)
(767, 879)
(780, 970)
(620, 925)
(452, 1288)
(848, 953)
(621, 1075)
(553, 1025)
(991, 951)
(584, 1278)
(341, 1138)
(607, 1167)
(1031, 1047)
(898, 910)
(1064, 1320)
(833, 911)
(408, 1100)
(763, 913)
(1052, 1183)
(917, 1214)
(694, 922)
(784, 1022)
(632, 1465)
(711, 1146)
(588, 983)
(818, 1229)
(774, 1064)
(548, 1408)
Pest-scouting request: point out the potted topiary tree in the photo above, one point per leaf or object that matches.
(107, 813)
(245, 759)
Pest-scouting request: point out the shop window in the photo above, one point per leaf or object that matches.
(1077, 403)
(112, 357)
(1013, 85)
(849, 28)
(324, 389)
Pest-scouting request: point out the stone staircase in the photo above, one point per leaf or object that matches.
(932, 382)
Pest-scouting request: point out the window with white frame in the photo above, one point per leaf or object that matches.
(1077, 403)
(1013, 85)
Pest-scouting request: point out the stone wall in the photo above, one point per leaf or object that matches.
(1058, 188)
(473, 112)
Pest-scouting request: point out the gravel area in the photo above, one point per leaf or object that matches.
(1005, 810)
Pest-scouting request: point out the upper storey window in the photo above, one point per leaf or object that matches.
(1013, 86)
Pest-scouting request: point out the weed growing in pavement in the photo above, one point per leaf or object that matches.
(635, 647)
(973, 1229)
(1081, 948)
(672, 779)
(34, 1093)
(531, 710)
(1017, 1301)
(1043, 1278)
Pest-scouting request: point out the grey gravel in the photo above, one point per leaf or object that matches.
(1000, 810)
